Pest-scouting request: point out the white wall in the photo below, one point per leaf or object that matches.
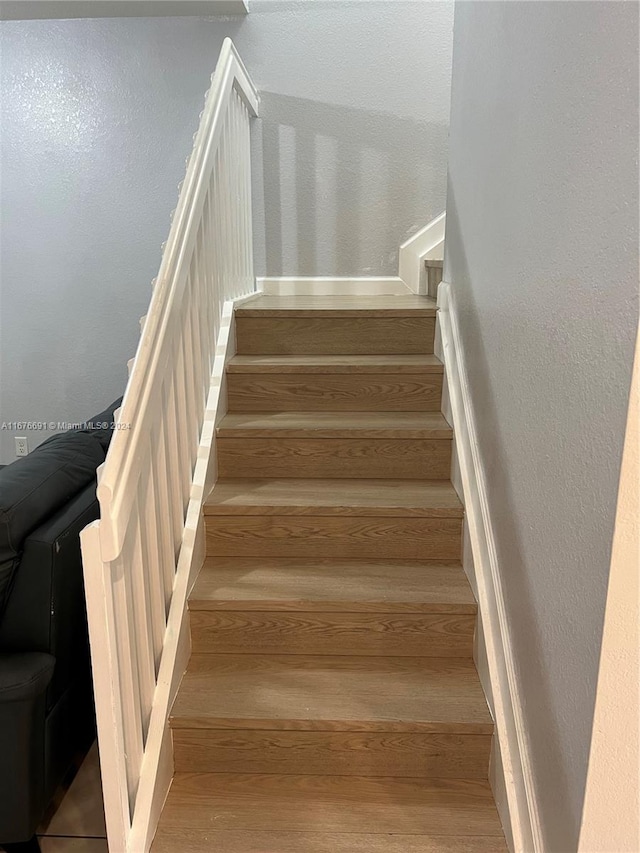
(97, 119)
(542, 250)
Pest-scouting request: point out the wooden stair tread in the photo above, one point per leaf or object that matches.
(425, 498)
(380, 586)
(416, 425)
(335, 364)
(331, 693)
(171, 838)
(341, 806)
(337, 306)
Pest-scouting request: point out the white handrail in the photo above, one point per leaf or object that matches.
(139, 557)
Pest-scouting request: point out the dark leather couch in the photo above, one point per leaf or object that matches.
(46, 698)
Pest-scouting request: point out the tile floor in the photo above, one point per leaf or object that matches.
(77, 824)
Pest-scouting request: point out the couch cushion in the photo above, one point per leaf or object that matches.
(35, 486)
(24, 676)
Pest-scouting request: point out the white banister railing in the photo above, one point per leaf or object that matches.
(140, 556)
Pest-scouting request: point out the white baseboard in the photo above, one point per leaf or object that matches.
(511, 774)
(427, 244)
(333, 286)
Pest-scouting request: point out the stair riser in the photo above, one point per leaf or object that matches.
(334, 537)
(331, 586)
(334, 336)
(293, 392)
(399, 754)
(350, 458)
(274, 632)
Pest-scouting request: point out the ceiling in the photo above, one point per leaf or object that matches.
(30, 9)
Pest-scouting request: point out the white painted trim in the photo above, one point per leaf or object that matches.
(427, 244)
(20, 10)
(497, 652)
(498, 784)
(333, 286)
(496, 770)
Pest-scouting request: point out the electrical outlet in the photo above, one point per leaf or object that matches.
(22, 446)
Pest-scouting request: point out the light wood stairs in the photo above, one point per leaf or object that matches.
(331, 703)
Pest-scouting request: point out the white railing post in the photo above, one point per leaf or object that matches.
(108, 699)
(140, 558)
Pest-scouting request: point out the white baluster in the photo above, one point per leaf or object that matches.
(207, 274)
(236, 195)
(194, 343)
(127, 655)
(165, 509)
(200, 320)
(141, 609)
(153, 557)
(223, 210)
(248, 208)
(217, 249)
(190, 436)
(176, 479)
(178, 388)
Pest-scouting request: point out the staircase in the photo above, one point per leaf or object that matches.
(331, 703)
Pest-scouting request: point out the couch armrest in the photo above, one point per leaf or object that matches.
(24, 679)
(46, 609)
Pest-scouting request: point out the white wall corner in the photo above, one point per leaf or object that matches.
(426, 244)
(510, 773)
